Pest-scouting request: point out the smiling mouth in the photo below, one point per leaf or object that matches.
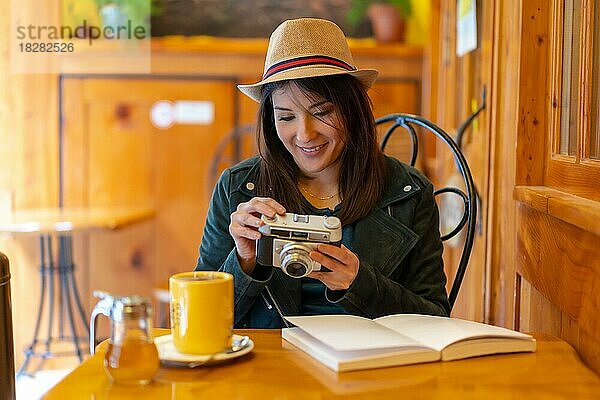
(312, 149)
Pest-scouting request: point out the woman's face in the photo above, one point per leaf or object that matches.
(309, 128)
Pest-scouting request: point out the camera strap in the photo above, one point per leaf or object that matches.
(277, 308)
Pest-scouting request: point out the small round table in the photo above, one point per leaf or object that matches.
(57, 272)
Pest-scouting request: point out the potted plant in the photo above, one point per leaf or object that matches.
(387, 17)
(117, 12)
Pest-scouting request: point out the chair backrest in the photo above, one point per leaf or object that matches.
(7, 359)
(235, 146)
(469, 216)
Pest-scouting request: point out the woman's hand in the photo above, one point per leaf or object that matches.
(342, 262)
(244, 225)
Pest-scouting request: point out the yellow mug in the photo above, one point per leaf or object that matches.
(201, 311)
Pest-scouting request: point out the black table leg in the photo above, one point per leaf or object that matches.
(45, 275)
(69, 303)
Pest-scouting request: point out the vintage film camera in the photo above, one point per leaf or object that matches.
(287, 241)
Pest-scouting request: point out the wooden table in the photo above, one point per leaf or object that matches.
(276, 369)
(55, 219)
(59, 270)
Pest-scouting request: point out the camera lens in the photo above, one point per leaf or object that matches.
(296, 269)
(295, 260)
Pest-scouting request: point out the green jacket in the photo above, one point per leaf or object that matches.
(398, 245)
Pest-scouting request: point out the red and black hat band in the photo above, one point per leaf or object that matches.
(305, 61)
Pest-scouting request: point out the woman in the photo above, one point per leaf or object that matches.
(319, 155)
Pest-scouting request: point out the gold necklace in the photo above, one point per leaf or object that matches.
(314, 196)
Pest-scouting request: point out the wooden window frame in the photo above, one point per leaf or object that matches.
(579, 174)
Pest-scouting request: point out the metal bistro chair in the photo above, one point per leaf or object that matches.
(234, 147)
(469, 216)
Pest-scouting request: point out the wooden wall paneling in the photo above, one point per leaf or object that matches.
(73, 180)
(245, 116)
(122, 261)
(576, 178)
(27, 103)
(548, 318)
(100, 162)
(120, 157)
(568, 280)
(532, 105)
(8, 136)
(390, 97)
(36, 159)
(74, 147)
(392, 61)
(133, 163)
(74, 143)
(536, 313)
(430, 81)
(468, 303)
(216, 64)
(541, 315)
(446, 110)
(575, 210)
(559, 259)
(244, 58)
(481, 144)
(570, 258)
(248, 115)
(182, 158)
(570, 331)
(431, 58)
(501, 221)
(119, 142)
(445, 107)
(22, 263)
(28, 162)
(588, 348)
(475, 74)
(460, 81)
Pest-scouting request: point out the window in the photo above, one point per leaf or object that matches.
(573, 163)
(570, 76)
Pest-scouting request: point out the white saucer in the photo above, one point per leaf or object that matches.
(170, 356)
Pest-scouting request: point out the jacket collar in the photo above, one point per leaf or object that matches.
(402, 184)
(248, 184)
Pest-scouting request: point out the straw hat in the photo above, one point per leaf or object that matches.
(307, 47)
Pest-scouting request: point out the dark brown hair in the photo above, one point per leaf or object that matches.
(363, 171)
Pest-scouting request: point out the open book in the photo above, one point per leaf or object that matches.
(347, 342)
